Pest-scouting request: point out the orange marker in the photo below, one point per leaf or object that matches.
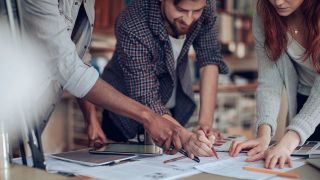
(261, 170)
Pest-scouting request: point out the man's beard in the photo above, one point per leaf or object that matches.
(181, 31)
(173, 25)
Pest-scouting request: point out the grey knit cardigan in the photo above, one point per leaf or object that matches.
(273, 77)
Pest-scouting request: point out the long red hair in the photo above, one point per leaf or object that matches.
(276, 38)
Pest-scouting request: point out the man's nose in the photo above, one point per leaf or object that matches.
(189, 18)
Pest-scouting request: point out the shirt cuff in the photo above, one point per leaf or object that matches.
(223, 68)
(82, 81)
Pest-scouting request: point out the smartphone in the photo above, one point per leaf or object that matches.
(128, 149)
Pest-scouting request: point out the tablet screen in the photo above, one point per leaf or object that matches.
(129, 149)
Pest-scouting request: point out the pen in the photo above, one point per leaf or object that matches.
(174, 159)
(261, 170)
(183, 152)
(196, 159)
(68, 174)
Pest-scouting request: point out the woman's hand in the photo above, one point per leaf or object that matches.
(280, 154)
(197, 144)
(257, 148)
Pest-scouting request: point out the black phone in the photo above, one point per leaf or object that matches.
(128, 149)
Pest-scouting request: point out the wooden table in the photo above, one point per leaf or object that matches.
(305, 172)
(18, 172)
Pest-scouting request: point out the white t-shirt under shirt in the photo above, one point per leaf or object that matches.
(305, 68)
(176, 45)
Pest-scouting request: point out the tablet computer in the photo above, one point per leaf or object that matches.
(128, 149)
(85, 158)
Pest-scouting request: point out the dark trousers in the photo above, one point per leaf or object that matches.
(301, 99)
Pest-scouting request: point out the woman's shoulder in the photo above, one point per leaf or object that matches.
(257, 26)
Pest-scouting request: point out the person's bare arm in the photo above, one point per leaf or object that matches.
(162, 131)
(208, 94)
(93, 126)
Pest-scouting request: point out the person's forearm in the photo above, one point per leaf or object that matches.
(264, 131)
(208, 93)
(104, 95)
(290, 140)
(170, 118)
(88, 109)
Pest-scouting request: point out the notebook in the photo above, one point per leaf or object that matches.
(85, 158)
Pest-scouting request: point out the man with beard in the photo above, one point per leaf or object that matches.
(150, 65)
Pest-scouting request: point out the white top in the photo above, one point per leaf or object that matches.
(176, 45)
(305, 68)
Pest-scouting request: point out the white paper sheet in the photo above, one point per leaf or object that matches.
(152, 168)
(139, 170)
(233, 168)
(186, 163)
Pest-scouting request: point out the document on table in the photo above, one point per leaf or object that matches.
(185, 163)
(233, 168)
(151, 168)
(139, 170)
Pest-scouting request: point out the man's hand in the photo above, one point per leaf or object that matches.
(95, 133)
(212, 134)
(197, 144)
(164, 132)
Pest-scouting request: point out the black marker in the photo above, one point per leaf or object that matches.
(183, 152)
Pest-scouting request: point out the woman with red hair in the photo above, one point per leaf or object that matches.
(287, 34)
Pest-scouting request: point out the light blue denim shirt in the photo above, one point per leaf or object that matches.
(50, 23)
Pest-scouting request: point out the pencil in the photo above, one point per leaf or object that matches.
(213, 150)
(261, 170)
(174, 159)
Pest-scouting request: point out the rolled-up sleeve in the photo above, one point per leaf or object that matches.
(43, 23)
(206, 44)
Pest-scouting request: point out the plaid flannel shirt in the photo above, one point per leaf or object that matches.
(143, 63)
